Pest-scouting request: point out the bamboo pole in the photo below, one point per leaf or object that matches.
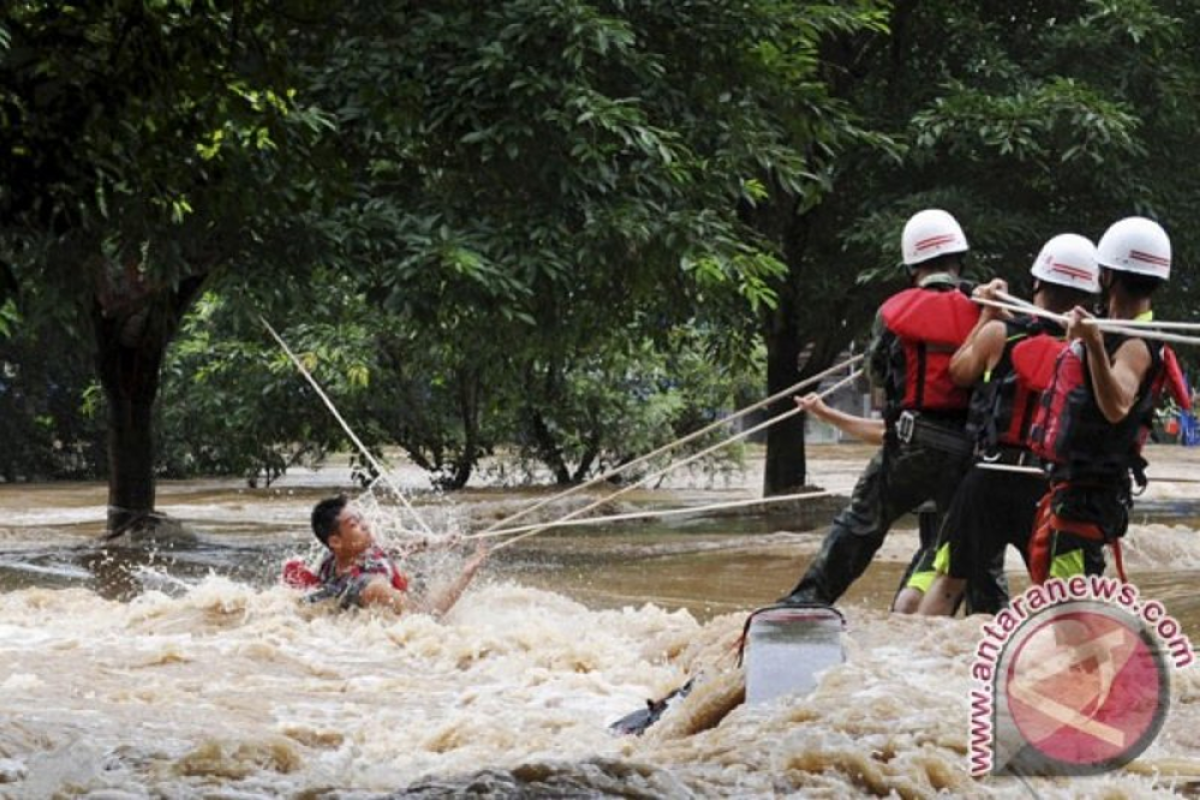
(624, 490)
(346, 427)
(671, 445)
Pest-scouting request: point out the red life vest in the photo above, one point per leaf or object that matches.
(928, 326)
(1173, 381)
(298, 575)
(1070, 431)
(1003, 407)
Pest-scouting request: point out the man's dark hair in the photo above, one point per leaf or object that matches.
(325, 517)
(1062, 299)
(946, 262)
(1136, 285)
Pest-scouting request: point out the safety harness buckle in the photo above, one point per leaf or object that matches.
(914, 430)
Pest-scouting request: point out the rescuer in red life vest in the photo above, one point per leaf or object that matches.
(924, 450)
(1010, 361)
(1092, 421)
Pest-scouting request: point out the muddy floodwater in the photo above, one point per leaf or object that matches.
(180, 667)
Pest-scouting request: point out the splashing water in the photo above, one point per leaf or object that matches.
(215, 681)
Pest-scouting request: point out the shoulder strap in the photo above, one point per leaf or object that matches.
(925, 315)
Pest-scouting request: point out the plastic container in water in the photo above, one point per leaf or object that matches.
(787, 647)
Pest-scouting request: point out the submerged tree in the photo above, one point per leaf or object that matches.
(147, 148)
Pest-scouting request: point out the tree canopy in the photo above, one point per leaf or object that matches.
(148, 147)
(525, 225)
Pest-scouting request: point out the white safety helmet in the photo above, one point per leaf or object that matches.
(1136, 244)
(931, 233)
(1068, 260)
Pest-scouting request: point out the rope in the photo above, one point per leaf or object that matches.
(1010, 468)
(1109, 326)
(362, 448)
(1128, 323)
(690, 437)
(741, 435)
(667, 512)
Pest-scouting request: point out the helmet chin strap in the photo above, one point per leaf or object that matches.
(1106, 279)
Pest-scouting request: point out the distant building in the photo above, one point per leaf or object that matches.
(854, 398)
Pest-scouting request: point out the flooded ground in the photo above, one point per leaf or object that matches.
(184, 670)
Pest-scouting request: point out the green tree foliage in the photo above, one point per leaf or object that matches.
(147, 147)
(237, 406)
(537, 185)
(611, 406)
(234, 406)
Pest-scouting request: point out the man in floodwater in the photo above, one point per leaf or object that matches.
(358, 572)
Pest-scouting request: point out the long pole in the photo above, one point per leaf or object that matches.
(740, 435)
(671, 445)
(1127, 323)
(1109, 326)
(362, 448)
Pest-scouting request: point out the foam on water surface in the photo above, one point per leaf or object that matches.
(210, 681)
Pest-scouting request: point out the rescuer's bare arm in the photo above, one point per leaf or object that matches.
(1115, 382)
(868, 430)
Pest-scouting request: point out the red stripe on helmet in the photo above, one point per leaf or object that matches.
(1149, 258)
(934, 241)
(1074, 272)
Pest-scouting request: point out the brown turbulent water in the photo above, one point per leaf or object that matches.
(182, 669)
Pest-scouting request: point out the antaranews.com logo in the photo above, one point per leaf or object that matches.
(1072, 679)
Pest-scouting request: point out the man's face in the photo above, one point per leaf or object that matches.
(353, 533)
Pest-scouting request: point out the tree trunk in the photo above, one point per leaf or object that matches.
(468, 407)
(590, 453)
(128, 362)
(786, 466)
(548, 450)
(545, 443)
(132, 334)
(816, 317)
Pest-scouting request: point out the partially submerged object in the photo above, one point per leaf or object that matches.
(784, 648)
(787, 646)
(637, 722)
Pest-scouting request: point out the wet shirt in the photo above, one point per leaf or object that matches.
(348, 587)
